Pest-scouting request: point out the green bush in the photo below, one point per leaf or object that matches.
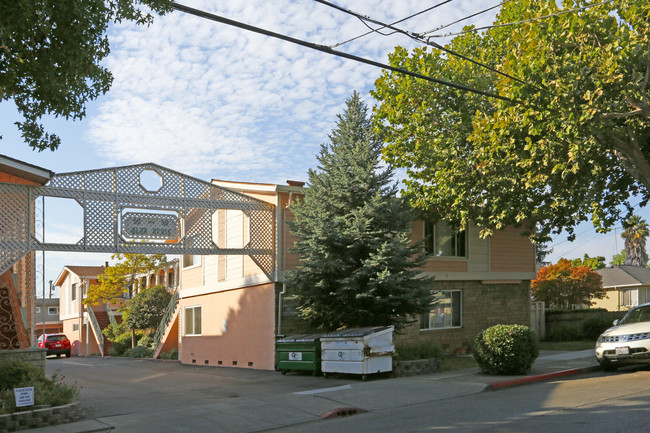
(564, 333)
(17, 374)
(173, 354)
(593, 327)
(139, 352)
(419, 350)
(146, 341)
(505, 349)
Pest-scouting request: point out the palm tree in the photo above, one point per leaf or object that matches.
(635, 234)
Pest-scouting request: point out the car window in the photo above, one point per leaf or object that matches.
(641, 314)
(56, 337)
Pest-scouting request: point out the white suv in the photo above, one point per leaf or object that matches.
(628, 342)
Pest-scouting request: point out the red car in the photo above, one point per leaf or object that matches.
(56, 344)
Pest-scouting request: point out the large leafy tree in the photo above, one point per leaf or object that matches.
(572, 143)
(147, 308)
(51, 53)
(118, 279)
(357, 264)
(635, 235)
(563, 284)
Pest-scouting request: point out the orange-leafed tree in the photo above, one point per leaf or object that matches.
(563, 284)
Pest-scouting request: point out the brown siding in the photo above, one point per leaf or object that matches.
(511, 252)
(439, 265)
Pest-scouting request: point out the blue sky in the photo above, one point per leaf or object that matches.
(219, 102)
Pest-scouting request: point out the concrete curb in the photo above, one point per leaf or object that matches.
(540, 377)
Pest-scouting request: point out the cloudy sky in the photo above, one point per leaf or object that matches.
(220, 102)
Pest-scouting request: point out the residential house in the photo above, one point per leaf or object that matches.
(84, 325)
(627, 286)
(78, 319)
(230, 312)
(17, 284)
(47, 316)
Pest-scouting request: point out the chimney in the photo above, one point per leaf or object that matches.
(295, 183)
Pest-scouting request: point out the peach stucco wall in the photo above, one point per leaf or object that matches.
(248, 340)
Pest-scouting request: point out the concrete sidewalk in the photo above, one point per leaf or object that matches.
(276, 411)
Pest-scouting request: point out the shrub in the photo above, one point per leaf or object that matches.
(173, 354)
(419, 350)
(139, 352)
(146, 341)
(505, 349)
(593, 327)
(17, 374)
(564, 333)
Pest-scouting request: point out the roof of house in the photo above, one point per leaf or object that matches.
(80, 271)
(625, 276)
(26, 171)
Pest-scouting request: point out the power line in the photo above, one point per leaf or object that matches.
(328, 50)
(418, 38)
(465, 18)
(494, 26)
(391, 24)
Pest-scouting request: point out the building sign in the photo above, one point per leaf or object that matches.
(150, 226)
(24, 396)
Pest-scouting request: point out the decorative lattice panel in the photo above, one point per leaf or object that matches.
(105, 195)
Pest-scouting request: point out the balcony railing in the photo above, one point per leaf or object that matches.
(96, 329)
(169, 314)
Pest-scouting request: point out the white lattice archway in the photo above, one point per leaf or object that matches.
(164, 212)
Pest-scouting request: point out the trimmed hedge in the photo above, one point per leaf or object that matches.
(506, 349)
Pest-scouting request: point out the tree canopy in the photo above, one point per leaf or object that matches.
(357, 264)
(117, 280)
(593, 263)
(51, 56)
(563, 284)
(146, 309)
(570, 144)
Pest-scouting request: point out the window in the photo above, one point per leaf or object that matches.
(191, 260)
(38, 310)
(73, 292)
(193, 320)
(52, 311)
(446, 313)
(630, 297)
(75, 326)
(442, 240)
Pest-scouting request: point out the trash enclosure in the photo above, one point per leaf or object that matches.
(361, 351)
(298, 352)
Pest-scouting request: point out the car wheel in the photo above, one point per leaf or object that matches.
(608, 366)
(58, 355)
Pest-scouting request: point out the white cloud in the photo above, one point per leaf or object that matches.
(217, 101)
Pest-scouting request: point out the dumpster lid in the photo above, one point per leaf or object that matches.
(355, 332)
(300, 338)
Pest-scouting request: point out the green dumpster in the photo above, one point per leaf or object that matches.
(298, 352)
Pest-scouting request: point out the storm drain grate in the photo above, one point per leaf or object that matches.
(340, 412)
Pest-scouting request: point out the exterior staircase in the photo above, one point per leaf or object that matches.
(100, 319)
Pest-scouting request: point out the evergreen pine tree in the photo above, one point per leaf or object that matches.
(358, 266)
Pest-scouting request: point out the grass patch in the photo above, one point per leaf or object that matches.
(450, 363)
(567, 345)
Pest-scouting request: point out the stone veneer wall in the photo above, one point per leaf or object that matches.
(33, 356)
(483, 305)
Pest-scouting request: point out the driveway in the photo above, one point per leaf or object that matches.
(161, 391)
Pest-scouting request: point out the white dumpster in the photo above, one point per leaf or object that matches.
(358, 351)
